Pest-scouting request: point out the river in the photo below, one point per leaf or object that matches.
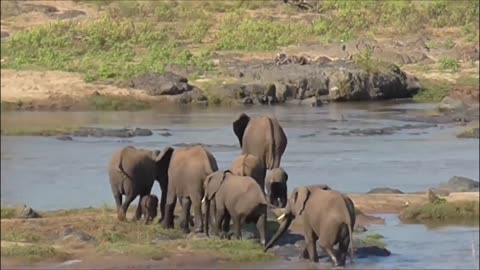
(48, 174)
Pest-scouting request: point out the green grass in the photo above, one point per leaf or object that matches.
(449, 64)
(233, 250)
(436, 90)
(433, 91)
(442, 211)
(25, 236)
(102, 103)
(8, 212)
(34, 253)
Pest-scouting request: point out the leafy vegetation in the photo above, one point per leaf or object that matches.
(25, 236)
(450, 64)
(433, 91)
(442, 211)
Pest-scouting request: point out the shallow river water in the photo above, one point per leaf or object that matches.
(48, 174)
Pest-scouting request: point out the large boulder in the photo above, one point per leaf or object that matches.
(460, 184)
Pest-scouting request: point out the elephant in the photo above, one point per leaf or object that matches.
(326, 217)
(262, 137)
(132, 172)
(250, 165)
(187, 171)
(149, 206)
(238, 198)
(276, 185)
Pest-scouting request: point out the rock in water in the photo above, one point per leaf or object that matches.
(461, 184)
(385, 190)
(431, 196)
(24, 211)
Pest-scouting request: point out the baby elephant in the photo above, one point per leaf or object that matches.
(149, 204)
(276, 185)
(237, 197)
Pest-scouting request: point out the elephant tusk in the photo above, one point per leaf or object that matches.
(203, 200)
(281, 217)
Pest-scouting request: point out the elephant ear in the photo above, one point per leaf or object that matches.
(163, 158)
(213, 183)
(239, 127)
(301, 196)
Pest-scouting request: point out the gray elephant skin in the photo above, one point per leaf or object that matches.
(149, 206)
(249, 165)
(276, 186)
(187, 171)
(262, 137)
(326, 217)
(132, 172)
(238, 198)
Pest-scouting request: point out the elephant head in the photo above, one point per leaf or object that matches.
(262, 137)
(277, 187)
(295, 207)
(239, 127)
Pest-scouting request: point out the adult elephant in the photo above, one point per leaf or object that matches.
(250, 165)
(262, 137)
(132, 172)
(326, 217)
(187, 170)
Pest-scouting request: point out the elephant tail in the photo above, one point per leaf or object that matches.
(270, 162)
(350, 232)
(120, 164)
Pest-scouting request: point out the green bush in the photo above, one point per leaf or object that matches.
(106, 48)
(447, 63)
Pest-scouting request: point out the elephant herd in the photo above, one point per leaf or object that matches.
(238, 195)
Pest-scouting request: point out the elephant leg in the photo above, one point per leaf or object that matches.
(197, 209)
(138, 212)
(169, 209)
(219, 217)
(163, 201)
(311, 243)
(128, 200)
(343, 245)
(304, 254)
(118, 204)
(186, 204)
(330, 253)
(261, 227)
(237, 224)
(226, 223)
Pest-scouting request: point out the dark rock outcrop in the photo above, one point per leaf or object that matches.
(101, 132)
(337, 80)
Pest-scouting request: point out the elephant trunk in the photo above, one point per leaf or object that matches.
(281, 230)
